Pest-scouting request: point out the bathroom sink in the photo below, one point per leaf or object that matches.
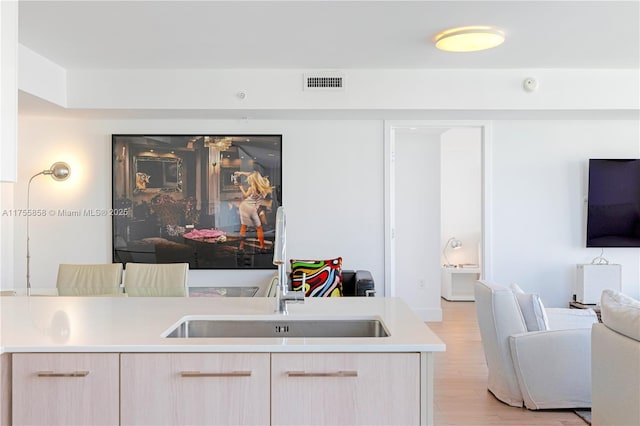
(199, 327)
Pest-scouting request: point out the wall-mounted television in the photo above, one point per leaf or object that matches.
(613, 206)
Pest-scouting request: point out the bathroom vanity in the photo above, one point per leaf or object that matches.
(133, 361)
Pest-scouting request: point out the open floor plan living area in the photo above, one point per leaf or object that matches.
(320, 212)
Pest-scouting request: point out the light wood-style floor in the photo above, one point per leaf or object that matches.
(460, 386)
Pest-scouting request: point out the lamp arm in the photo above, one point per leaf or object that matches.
(28, 211)
(444, 250)
(58, 171)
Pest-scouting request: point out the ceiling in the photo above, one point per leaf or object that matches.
(327, 34)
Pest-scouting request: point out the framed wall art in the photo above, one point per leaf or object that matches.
(209, 200)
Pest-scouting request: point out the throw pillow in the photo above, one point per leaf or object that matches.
(535, 317)
(621, 313)
(323, 277)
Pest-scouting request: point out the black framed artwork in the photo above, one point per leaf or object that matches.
(208, 200)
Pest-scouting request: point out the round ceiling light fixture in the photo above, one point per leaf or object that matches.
(469, 39)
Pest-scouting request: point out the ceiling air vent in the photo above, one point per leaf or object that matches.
(324, 81)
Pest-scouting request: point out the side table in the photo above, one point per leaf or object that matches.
(578, 305)
(457, 283)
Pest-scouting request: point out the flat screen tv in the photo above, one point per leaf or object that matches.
(613, 213)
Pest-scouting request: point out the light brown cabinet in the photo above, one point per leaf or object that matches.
(5, 389)
(345, 388)
(221, 389)
(195, 389)
(65, 389)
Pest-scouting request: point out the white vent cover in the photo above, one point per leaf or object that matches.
(324, 81)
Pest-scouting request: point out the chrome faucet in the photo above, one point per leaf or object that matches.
(283, 296)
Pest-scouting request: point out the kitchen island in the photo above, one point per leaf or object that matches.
(55, 347)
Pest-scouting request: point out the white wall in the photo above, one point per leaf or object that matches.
(437, 194)
(539, 187)
(367, 89)
(6, 236)
(461, 197)
(332, 191)
(41, 76)
(8, 89)
(417, 221)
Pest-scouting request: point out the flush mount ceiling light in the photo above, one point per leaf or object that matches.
(468, 39)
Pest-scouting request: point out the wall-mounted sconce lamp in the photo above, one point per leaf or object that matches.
(58, 171)
(455, 244)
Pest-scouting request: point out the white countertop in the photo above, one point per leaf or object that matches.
(128, 324)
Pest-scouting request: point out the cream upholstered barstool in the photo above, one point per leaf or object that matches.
(89, 280)
(156, 279)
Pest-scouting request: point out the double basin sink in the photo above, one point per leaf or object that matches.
(206, 326)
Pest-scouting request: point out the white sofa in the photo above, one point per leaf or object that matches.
(543, 369)
(616, 362)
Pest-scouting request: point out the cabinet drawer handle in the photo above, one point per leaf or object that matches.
(227, 374)
(70, 374)
(328, 374)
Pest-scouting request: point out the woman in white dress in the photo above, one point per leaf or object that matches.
(258, 189)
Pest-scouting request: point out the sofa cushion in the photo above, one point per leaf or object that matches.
(621, 313)
(323, 277)
(532, 309)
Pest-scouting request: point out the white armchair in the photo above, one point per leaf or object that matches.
(550, 368)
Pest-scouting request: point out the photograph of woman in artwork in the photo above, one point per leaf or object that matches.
(258, 189)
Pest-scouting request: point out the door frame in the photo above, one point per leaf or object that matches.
(390, 129)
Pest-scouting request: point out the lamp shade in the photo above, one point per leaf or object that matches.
(453, 243)
(59, 171)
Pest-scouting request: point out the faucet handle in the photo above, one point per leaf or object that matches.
(304, 282)
(299, 296)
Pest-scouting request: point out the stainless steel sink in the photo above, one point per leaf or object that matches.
(194, 328)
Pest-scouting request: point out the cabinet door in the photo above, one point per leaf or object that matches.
(5, 389)
(345, 389)
(194, 389)
(65, 389)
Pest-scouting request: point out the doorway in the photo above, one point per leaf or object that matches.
(436, 176)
